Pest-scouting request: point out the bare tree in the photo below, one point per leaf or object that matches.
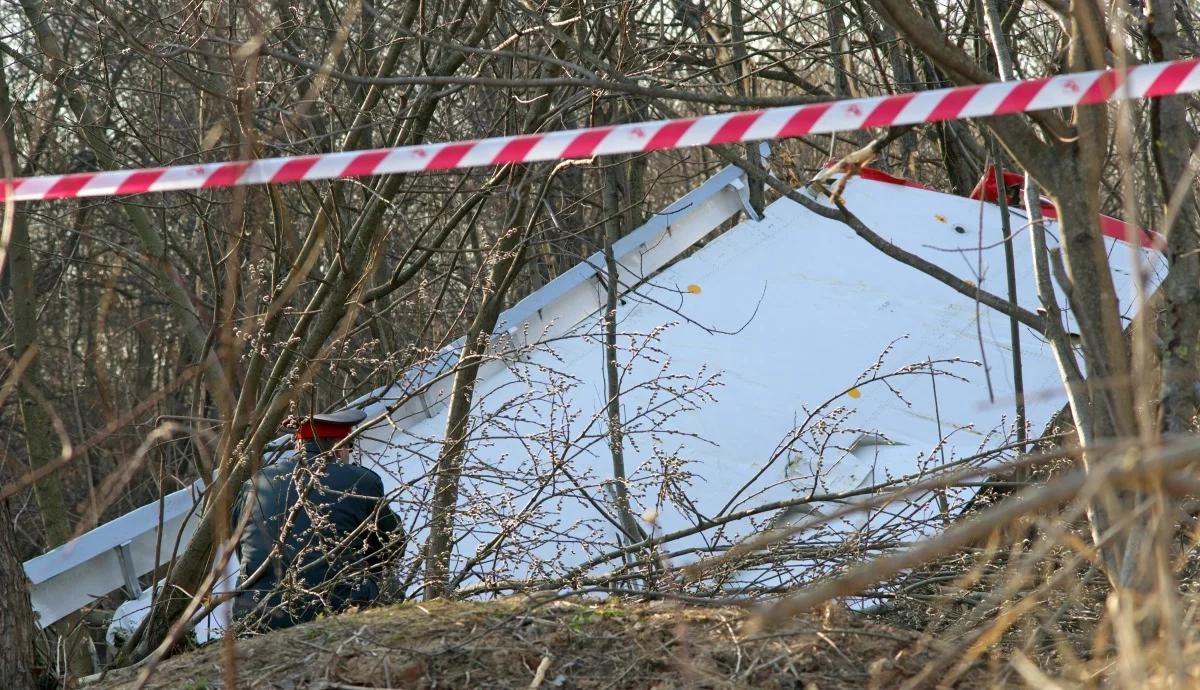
(16, 619)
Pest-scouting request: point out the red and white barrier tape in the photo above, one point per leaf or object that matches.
(1003, 98)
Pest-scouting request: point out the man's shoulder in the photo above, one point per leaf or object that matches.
(271, 477)
(356, 475)
(276, 470)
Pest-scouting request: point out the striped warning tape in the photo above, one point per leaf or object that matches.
(1003, 98)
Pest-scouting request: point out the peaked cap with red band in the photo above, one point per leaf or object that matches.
(333, 425)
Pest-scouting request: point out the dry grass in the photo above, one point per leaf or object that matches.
(577, 643)
(1026, 604)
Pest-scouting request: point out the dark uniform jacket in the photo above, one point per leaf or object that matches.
(317, 535)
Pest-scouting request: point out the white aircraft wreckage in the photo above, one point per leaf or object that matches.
(785, 359)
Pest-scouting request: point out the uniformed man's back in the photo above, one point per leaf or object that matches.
(313, 540)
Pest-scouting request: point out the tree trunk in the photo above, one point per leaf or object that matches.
(16, 613)
(743, 86)
(616, 441)
(39, 440)
(39, 432)
(1171, 143)
(510, 249)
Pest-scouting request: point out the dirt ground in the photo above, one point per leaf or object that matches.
(523, 643)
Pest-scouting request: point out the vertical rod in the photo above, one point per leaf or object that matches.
(1014, 326)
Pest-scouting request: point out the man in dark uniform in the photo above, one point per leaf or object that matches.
(318, 530)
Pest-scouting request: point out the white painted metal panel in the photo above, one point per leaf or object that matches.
(830, 305)
(88, 567)
(788, 312)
